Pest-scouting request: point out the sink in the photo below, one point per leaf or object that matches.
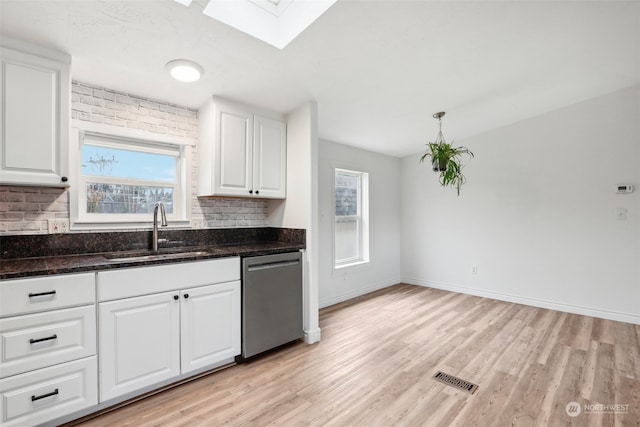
(149, 256)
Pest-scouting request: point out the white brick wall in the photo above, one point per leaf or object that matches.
(25, 210)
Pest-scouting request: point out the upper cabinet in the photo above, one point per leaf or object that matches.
(241, 153)
(35, 87)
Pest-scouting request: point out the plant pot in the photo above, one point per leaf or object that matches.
(439, 166)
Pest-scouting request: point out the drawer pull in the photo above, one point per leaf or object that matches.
(52, 337)
(43, 396)
(41, 294)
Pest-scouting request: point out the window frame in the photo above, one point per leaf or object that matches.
(99, 135)
(361, 219)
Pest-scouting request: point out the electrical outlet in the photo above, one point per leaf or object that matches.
(58, 226)
(474, 269)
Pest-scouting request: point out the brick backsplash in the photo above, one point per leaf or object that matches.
(25, 210)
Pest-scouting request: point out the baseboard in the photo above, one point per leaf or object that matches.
(312, 337)
(553, 305)
(357, 292)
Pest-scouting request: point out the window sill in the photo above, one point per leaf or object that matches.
(139, 225)
(356, 265)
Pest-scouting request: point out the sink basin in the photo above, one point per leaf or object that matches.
(147, 256)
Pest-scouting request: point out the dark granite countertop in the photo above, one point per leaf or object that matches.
(61, 261)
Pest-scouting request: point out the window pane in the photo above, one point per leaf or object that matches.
(347, 240)
(126, 199)
(346, 194)
(103, 161)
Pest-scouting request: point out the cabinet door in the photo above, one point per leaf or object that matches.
(270, 158)
(139, 343)
(210, 325)
(233, 151)
(35, 117)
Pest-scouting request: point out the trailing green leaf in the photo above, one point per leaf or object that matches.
(446, 160)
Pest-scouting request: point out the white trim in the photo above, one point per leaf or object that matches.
(361, 219)
(112, 132)
(80, 220)
(312, 337)
(128, 225)
(359, 263)
(33, 49)
(552, 305)
(358, 292)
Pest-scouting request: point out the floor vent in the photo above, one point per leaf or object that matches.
(455, 382)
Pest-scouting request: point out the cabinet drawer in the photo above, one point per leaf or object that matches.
(20, 296)
(137, 281)
(39, 340)
(46, 394)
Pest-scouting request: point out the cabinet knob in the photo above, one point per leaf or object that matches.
(257, 191)
(176, 297)
(186, 296)
(64, 179)
(250, 191)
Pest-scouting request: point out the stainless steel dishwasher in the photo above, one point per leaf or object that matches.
(271, 302)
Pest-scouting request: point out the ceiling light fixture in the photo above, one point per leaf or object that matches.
(184, 70)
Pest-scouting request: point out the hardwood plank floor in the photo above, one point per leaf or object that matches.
(378, 353)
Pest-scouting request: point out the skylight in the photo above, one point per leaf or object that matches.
(276, 22)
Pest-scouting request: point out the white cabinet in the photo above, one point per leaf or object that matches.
(269, 158)
(139, 343)
(210, 325)
(48, 366)
(39, 340)
(149, 339)
(241, 153)
(46, 394)
(35, 109)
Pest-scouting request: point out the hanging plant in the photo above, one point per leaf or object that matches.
(446, 159)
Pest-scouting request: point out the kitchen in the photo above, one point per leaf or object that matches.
(411, 219)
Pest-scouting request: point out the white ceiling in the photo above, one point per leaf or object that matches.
(377, 69)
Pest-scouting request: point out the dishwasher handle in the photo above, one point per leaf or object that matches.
(270, 265)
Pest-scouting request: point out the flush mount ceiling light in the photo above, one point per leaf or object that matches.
(184, 70)
(276, 22)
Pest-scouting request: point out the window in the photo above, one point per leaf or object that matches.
(351, 235)
(120, 180)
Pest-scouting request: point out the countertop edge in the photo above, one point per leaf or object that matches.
(69, 264)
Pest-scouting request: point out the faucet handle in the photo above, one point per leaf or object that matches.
(163, 240)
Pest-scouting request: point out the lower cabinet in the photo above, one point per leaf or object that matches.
(209, 325)
(139, 343)
(48, 363)
(39, 396)
(149, 339)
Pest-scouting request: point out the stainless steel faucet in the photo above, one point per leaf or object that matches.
(163, 216)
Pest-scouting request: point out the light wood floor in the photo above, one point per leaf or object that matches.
(378, 353)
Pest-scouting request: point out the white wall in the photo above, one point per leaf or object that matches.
(384, 223)
(300, 209)
(538, 214)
